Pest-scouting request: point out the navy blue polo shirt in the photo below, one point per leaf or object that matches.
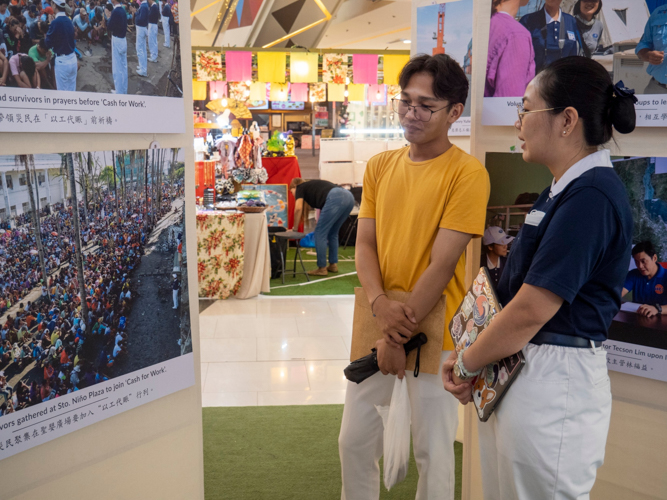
(117, 22)
(154, 14)
(548, 38)
(60, 36)
(141, 17)
(166, 11)
(580, 251)
(647, 291)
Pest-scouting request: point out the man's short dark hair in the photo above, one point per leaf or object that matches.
(449, 80)
(644, 246)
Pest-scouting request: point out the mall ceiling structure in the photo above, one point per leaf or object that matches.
(349, 24)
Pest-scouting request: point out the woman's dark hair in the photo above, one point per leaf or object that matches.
(644, 246)
(577, 8)
(449, 80)
(585, 85)
(28, 65)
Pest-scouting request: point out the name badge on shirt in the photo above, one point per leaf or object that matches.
(570, 35)
(534, 218)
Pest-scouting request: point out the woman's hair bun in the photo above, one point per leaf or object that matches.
(622, 113)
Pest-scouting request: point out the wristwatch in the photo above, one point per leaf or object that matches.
(460, 369)
(659, 308)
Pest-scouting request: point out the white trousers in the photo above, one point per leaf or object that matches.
(119, 64)
(66, 70)
(152, 41)
(175, 294)
(434, 423)
(547, 437)
(167, 34)
(142, 56)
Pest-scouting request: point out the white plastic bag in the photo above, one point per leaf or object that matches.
(396, 420)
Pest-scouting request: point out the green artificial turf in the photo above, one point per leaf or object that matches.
(283, 453)
(344, 285)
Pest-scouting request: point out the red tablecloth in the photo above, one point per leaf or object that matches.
(282, 170)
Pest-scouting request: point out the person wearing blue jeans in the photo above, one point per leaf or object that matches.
(335, 204)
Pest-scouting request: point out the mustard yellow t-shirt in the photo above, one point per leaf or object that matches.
(410, 201)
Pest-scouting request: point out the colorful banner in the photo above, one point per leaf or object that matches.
(271, 66)
(208, 65)
(238, 66)
(317, 92)
(334, 68)
(392, 66)
(304, 67)
(365, 68)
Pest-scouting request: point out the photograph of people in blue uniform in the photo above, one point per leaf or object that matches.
(88, 46)
(525, 36)
(648, 282)
(554, 33)
(651, 49)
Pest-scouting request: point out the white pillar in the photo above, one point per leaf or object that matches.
(5, 191)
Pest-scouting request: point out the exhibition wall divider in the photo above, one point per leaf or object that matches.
(633, 465)
(153, 450)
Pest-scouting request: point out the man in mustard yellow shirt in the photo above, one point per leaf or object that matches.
(421, 206)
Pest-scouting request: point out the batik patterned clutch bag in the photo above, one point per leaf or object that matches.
(474, 315)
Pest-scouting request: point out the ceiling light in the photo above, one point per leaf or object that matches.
(407, 41)
(224, 103)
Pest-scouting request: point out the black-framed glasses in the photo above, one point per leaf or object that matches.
(522, 112)
(422, 113)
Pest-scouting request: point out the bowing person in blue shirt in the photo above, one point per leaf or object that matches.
(651, 49)
(555, 34)
(141, 22)
(648, 283)
(117, 27)
(153, 19)
(60, 39)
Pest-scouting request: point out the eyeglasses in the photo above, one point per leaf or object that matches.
(421, 113)
(521, 112)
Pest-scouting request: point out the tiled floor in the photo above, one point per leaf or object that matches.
(275, 350)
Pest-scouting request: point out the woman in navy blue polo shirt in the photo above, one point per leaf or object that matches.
(561, 288)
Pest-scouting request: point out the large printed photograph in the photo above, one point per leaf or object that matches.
(637, 342)
(625, 36)
(93, 275)
(446, 28)
(118, 47)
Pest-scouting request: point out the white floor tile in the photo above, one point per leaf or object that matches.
(284, 398)
(306, 348)
(229, 399)
(255, 377)
(232, 306)
(322, 326)
(221, 350)
(207, 326)
(347, 340)
(246, 327)
(204, 372)
(326, 375)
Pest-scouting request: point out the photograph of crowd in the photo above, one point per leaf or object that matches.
(114, 46)
(93, 279)
(625, 36)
